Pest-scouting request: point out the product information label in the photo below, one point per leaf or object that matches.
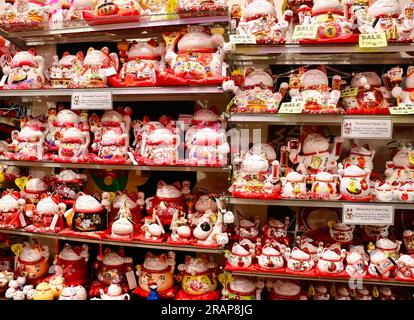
(94, 100)
(402, 108)
(3, 80)
(54, 221)
(291, 107)
(22, 220)
(349, 92)
(373, 40)
(132, 281)
(368, 214)
(305, 32)
(364, 128)
(242, 39)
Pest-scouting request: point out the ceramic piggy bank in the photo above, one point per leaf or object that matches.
(328, 17)
(258, 174)
(68, 184)
(33, 261)
(63, 71)
(366, 95)
(74, 264)
(355, 183)
(259, 20)
(47, 216)
(360, 156)
(27, 144)
(198, 280)
(11, 208)
(156, 270)
(97, 66)
(256, 94)
(401, 168)
(311, 89)
(313, 154)
(199, 57)
(142, 62)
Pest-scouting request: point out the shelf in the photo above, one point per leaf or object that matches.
(321, 54)
(311, 203)
(176, 93)
(387, 282)
(136, 244)
(310, 119)
(47, 164)
(80, 31)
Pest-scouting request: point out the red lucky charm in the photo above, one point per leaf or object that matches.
(74, 264)
(11, 210)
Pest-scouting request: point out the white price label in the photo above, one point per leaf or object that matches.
(305, 32)
(366, 128)
(132, 281)
(3, 80)
(368, 214)
(291, 107)
(22, 220)
(110, 71)
(54, 221)
(402, 108)
(91, 100)
(242, 39)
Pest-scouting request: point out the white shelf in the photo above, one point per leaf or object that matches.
(134, 243)
(311, 203)
(167, 93)
(49, 164)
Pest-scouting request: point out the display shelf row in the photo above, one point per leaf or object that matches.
(355, 282)
(131, 167)
(136, 244)
(310, 203)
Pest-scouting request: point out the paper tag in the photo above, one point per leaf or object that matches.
(22, 220)
(305, 32)
(94, 100)
(131, 156)
(54, 221)
(384, 266)
(3, 80)
(363, 17)
(132, 281)
(373, 40)
(110, 71)
(368, 214)
(242, 39)
(402, 108)
(363, 128)
(349, 92)
(291, 107)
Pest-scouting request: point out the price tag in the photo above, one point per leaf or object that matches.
(368, 214)
(91, 100)
(3, 80)
(349, 92)
(22, 220)
(363, 17)
(366, 128)
(132, 281)
(305, 32)
(402, 108)
(54, 221)
(291, 107)
(242, 39)
(373, 40)
(110, 71)
(384, 266)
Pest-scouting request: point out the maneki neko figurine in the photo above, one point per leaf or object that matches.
(180, 229)
(25, 14)
(285, 290)
(241, 288)
(47, 216)
(360, 156)
(341, 232)
(73, 146)
(200, 7)
(257, 174)
(408, 239)
(276, 230)
(152, 229)
(324, 186)
(343, 292)
(259, 20)
(299, 261)
(356, 265)
(312, 155)
(401, 168)
(64, 71)
(256, 94)
(331, 261)
(354, 183)
(271, 256)
(294, 185)
(11, 210)
(367, 95)
(198, 58)
(405, 95)
(198, 279)
(239, 256)
(203, 204)
(319, 292)
(166, 201)
(27, 144)
(24, 71)
(142, 62)
(309, 246)
(372, 232)
(67, 184)
(74, 264)
(112, 11)
(247, 228)
(111, 268)
(33, 261)
(97, 66)
(311, 89)
(33, 190)
(157, 270)
(133, 200)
